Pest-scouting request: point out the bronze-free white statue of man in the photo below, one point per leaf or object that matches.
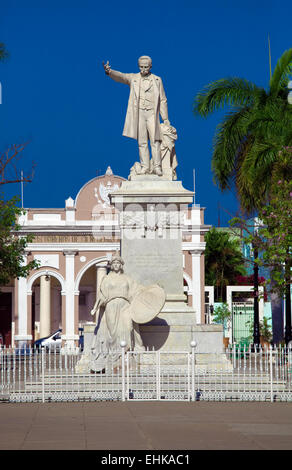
(147, 101)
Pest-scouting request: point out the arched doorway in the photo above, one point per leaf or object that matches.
(46, 305)
(188, 288)
(87, 284)
(6, 316)
(87, 295)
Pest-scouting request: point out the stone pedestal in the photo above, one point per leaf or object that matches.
(151, 217)
(152, 212)
(164, 336)
(83, 365)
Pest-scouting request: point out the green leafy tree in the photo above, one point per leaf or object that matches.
(223, 261)
(265, 330)
(273, 238)
(222, 316)
(256, 127)
(248, 141)
(12, 245)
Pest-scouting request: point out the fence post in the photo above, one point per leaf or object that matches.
(123, 346)
(192, 394)
(43, 375)
(271, 373)
(158, 372)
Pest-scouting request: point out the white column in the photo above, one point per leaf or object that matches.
(45, 306)
(101, 271)
(197, 283)
(210, 289)
(22, 334)
(69, 335)
(22, 310)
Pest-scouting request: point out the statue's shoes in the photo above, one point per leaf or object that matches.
(157, 171)
(143, 171)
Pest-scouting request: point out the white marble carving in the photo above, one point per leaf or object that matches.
(102, 194)
(109, 171)
(115, 316)
(147, 102)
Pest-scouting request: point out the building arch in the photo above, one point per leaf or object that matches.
(102, 261)
(189, 282)
(45, 302)
(45, 272)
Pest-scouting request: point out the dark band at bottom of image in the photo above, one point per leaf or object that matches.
(124, 458)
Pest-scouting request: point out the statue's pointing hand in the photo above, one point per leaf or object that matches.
(106, 67)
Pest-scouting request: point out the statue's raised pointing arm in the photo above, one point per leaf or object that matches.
(147, 102)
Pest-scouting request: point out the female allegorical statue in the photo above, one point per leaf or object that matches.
(115, 320)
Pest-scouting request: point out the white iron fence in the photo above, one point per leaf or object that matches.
(240, 373)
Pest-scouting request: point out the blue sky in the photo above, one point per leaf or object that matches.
(56, 96)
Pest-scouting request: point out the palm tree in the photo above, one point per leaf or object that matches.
(248, 141)
(223, 261)
(256, 127)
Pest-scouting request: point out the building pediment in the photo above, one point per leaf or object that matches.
(93, 197)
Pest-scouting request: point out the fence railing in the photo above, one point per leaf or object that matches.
(239, 373)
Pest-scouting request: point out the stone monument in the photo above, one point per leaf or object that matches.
(152, 204)
(151, 207)
(147, 101)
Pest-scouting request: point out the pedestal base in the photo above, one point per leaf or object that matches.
(173, 332)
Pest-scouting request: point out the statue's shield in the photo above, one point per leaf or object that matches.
(147, 304)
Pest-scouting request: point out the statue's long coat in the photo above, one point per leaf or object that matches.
(132, 117)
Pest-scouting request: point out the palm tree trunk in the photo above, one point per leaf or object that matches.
(256, 325)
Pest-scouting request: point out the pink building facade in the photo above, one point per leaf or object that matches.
(73, 246)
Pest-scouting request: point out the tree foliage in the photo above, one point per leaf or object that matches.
(221, 313)
(256, 127)
(9, 172)
(12, 245)
(273, 237)
(223, 261)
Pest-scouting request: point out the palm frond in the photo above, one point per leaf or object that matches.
(227, 91)
(229, 139)
(282, 72)
(254, 175)
(249, 140)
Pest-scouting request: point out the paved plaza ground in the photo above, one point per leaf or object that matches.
(146, 426)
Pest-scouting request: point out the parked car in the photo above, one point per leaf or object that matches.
(50, 343)
(54, 342)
